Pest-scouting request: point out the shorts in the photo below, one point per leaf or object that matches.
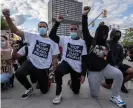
(123, 69)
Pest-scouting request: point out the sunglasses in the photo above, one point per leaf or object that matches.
(73, 29)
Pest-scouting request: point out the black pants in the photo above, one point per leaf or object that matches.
(65, 68)
(27, 68)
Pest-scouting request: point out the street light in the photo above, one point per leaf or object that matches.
(104, 13)
(114, 26)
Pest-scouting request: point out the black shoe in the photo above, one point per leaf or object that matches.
(27, 93)
(124, 89)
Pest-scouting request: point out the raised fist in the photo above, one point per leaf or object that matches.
(59, 18)
(86, 10)
(6, 12)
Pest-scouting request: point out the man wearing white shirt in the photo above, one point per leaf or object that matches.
(74, 51)
(42, 52)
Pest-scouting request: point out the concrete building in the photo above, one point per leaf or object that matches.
(71, 10)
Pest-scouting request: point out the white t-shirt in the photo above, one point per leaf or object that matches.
(72, 51)
(40, 50)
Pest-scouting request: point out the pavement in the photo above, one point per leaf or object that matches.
(12, 98)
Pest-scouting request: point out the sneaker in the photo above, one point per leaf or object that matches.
(27, 93)
(57, 99)
(118, 101)
(124, 89)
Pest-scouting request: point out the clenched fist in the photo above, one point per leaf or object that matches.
(59, 18)
(86, 10)
(6, 12)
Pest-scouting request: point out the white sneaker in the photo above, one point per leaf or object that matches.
(57, 99)
(118, 101)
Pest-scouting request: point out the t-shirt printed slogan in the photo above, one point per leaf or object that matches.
(41, 49)
(74, 51)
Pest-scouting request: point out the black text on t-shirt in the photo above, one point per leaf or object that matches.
(74, 51)
(41, 49)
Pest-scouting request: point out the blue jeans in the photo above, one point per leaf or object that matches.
(5, 77)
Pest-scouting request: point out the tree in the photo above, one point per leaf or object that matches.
(128, 39)
(4, 25)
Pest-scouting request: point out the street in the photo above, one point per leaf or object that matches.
(12, 98)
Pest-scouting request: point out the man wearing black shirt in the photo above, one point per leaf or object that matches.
(98, 66)
(116, 60)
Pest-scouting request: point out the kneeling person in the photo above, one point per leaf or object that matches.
(41, 51)
(6, 76)
(74, 51)
(116, 61)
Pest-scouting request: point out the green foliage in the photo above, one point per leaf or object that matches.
(128, 39)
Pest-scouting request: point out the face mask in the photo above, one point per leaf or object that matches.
(73, 35)
(3, 44)
(115, 38)
(42, 31)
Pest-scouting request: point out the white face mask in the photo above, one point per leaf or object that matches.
(3, 44)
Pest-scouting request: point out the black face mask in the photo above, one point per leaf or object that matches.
(101, 39)
(115, 35)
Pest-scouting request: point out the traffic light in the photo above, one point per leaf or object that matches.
(104, 13)
(93, 24)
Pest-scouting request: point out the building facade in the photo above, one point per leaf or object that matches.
(71, 10)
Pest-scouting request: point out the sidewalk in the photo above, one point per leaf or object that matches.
(12, 98)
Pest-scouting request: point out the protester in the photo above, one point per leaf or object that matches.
(74, 50)
(116, 60)
(15, 64)
(130, 54)
(98, 66)
(6, 76)
(42, 51)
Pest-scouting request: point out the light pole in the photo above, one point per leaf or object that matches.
(104, 13)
